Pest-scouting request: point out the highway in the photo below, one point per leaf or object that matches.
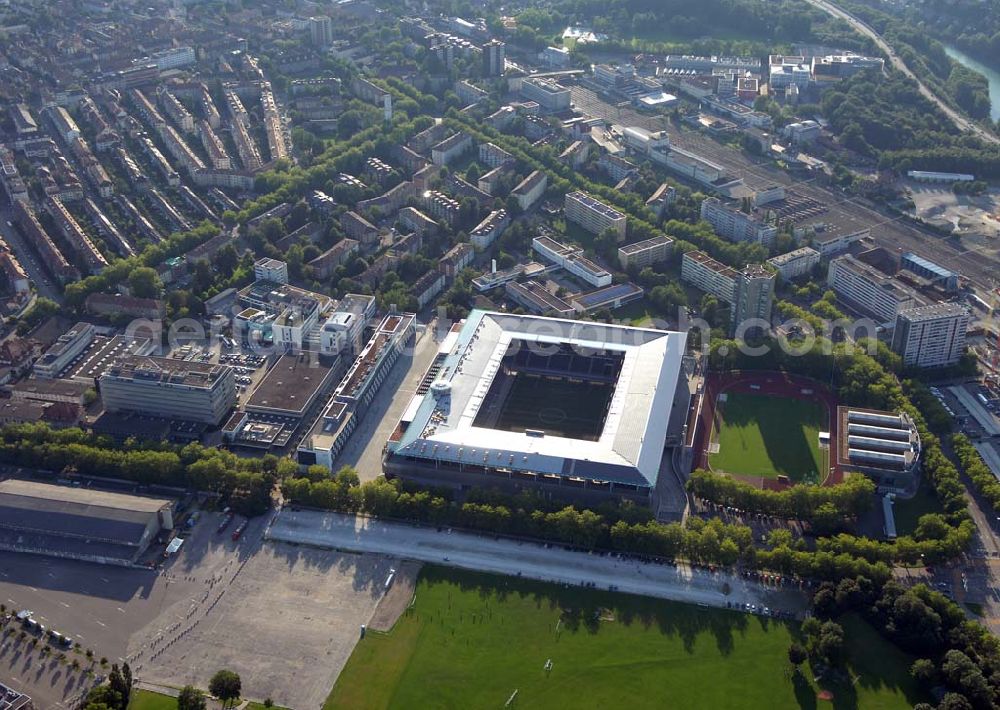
(961, 121)
(526, 559)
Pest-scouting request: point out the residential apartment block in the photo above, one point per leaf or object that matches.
(707, 274)
(451, 148)
(869, 291)
(493, 156)
(931, 336)
(645, 253)
(531, 189)
(593, 215)
(487, 231)
(795, 263)
(737, 226)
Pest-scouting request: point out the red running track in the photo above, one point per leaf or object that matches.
(778, 384)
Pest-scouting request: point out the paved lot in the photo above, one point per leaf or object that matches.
(971, 216)
(285, 619)
(364, 449)
(554, 564)
(51, 683)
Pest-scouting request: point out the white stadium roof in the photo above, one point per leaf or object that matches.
(630, 445)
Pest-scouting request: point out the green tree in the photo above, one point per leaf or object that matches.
(144, 282)
(41, 309)
(120, 687)
(226, 686)
(830, 643)
(924, 671)
(797, 655)
(190, 698)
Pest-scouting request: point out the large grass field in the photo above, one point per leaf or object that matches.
(470, 640)
(769, 437)
(559, 407)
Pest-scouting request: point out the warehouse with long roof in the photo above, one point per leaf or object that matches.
(79, 523)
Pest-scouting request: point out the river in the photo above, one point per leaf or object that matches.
(992, 76)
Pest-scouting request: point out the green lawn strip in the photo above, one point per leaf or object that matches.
(148, 700)
(471, 640)
(907, 511)
(638, 313)
(560, 407)
(880, 671)
(770, 436)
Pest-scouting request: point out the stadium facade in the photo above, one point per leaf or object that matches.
(79, 523)
(576, 408)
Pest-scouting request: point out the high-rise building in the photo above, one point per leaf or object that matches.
(931, 336)
(753, 295)
(321, 31)
(494, 57)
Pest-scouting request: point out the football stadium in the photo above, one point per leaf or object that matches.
(526, 401)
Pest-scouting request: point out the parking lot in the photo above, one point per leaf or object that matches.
(283, 617)
(286, 619)
(247, 366)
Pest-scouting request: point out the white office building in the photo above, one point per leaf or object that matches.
(267, 269)
(550, 95)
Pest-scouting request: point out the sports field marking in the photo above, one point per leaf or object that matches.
(769, 436)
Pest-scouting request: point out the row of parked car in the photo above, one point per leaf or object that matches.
(33, 625)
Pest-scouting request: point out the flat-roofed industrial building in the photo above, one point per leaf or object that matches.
(882, 445)
(173, 389)
(79, 523)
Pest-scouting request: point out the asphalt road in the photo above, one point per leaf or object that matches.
(28, 257)
(962, 122)
(531, 560)
(364, 449)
